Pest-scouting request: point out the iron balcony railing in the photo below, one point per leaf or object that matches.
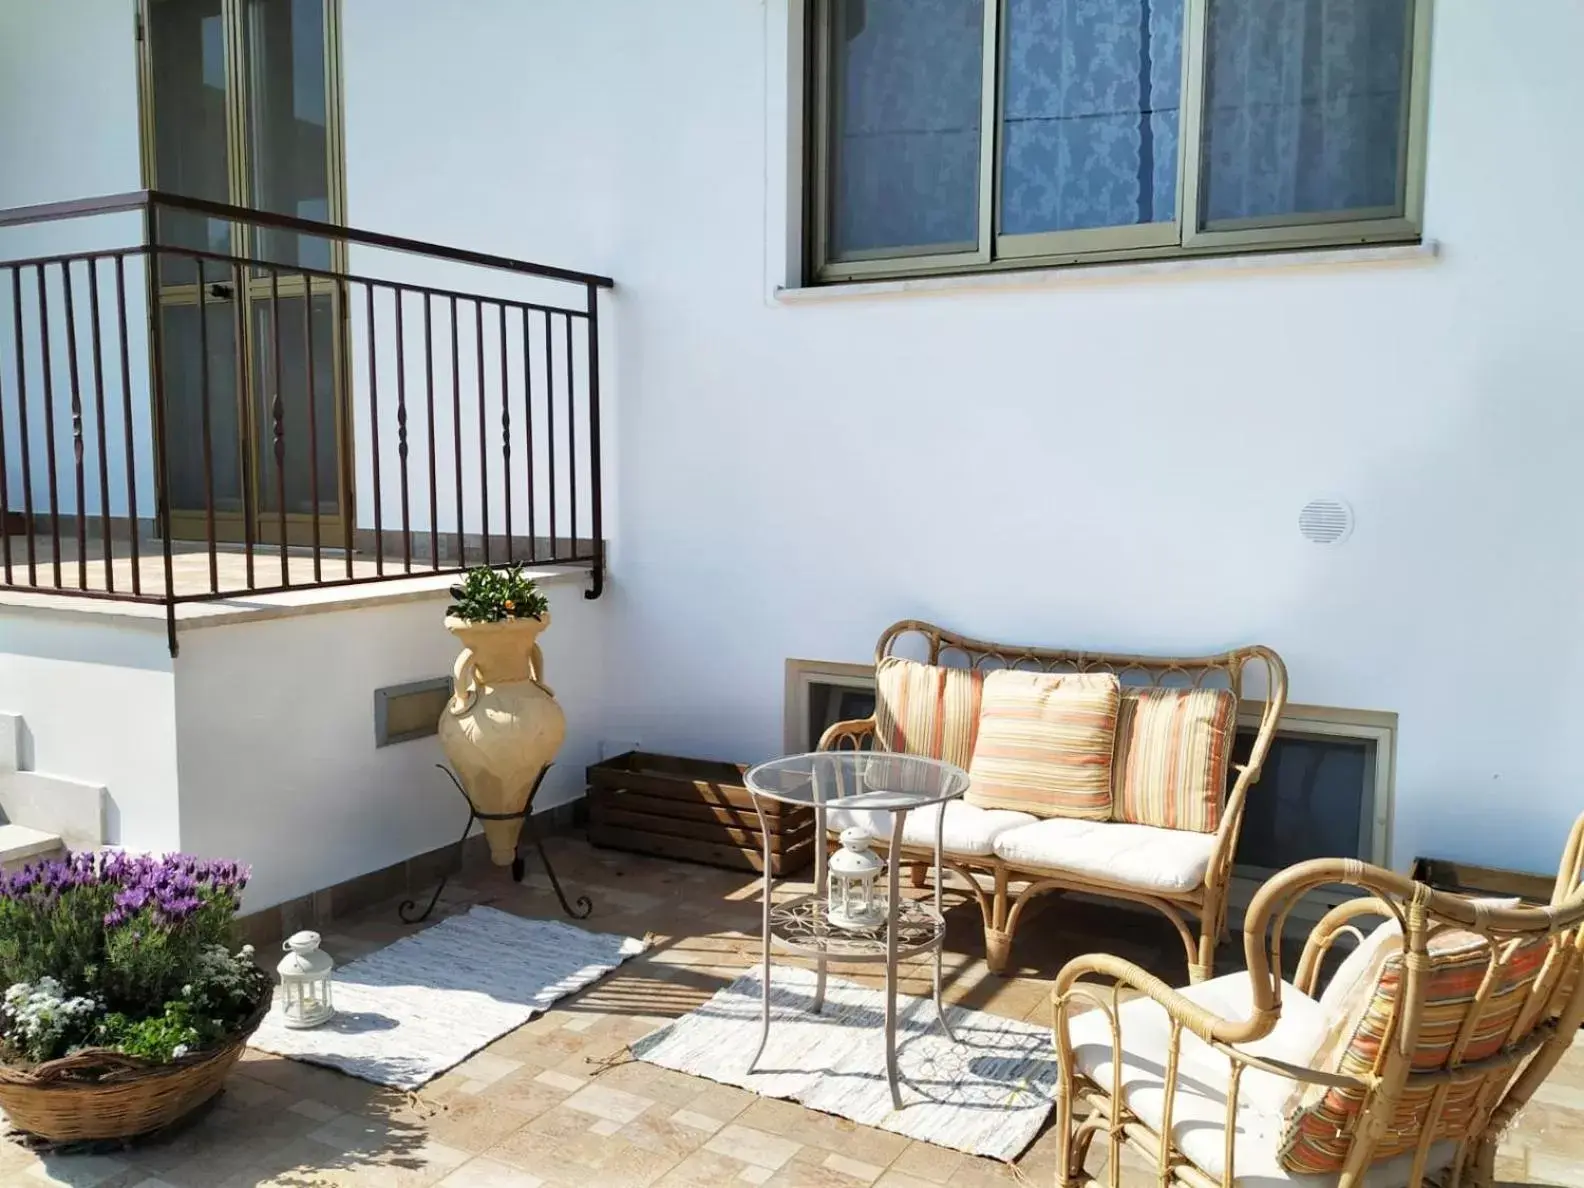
(219, 404)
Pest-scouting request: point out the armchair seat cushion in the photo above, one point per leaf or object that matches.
(1198, 1127)
(1141, 856)
(969, 832)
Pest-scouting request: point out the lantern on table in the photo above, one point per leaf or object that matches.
(305, 981)
(852, 874)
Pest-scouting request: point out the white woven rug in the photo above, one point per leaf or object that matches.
(988, 1094)
(411, 1010)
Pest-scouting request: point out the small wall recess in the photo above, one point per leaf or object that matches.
(406, 712)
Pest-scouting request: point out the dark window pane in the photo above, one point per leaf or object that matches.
(1309, 802)
(1305, 105)
(187, 60)
(1089, 130)
(288, 124)
(905, 142)
(300, 466)
(187, 389)
(829, 704)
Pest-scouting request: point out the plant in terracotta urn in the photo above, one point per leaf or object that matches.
(502, 726)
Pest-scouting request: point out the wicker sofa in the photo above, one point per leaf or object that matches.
(1183, 873)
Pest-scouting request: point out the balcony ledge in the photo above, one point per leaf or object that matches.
(245, 608)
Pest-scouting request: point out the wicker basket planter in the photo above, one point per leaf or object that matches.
(96, 1094)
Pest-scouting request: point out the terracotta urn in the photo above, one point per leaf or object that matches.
(502, 726)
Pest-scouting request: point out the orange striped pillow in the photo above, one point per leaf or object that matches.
(1173, 746)
(1321, 1127)
(926, 709)
(1045, 742)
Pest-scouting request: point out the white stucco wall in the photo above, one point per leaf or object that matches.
(275, 736)
(97, 696)
(1118, 465)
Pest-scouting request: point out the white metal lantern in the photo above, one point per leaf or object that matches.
(854, 870)
(305, 981)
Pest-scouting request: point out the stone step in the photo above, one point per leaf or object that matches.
(20, 846)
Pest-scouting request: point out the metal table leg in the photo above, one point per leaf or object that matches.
(764, 975)
(893, 876)
(940, 838)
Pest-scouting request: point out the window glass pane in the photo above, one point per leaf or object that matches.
(1304, 109)
(288, 122)
(187, 60)
(908, 78)
(1090, 114)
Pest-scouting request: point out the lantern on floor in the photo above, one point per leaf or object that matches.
(305, 981)
(853, 872)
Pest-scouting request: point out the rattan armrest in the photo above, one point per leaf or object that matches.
(852, 732)
(1324, 934)
(1206, 1024)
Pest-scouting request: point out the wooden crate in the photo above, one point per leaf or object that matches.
(697, 810)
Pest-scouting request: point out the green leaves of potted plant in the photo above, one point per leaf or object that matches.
(493, 595)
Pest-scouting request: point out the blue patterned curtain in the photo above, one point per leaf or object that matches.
(1304, 106)
(909, 85)
(1090, 125)
(1303, 115)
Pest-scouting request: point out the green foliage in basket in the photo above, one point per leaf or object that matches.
(488, 595)
(129, 952)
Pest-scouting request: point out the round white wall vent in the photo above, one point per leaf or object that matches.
(1326, 521)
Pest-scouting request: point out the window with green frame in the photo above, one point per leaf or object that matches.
(956, 135)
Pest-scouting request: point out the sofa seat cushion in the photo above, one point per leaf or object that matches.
(1140, 856)
(969, 832)
(1045, 743)
(1199, 1109)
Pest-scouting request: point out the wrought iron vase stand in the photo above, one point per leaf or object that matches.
(518, 867)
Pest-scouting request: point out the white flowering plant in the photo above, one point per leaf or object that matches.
(40, 1020)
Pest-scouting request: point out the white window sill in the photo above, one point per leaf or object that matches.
(1078, 275)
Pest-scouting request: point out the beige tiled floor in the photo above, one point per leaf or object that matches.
(556, 1103)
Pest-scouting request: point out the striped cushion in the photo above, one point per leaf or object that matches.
(924, 709)
(1322, 1123)
(1045, 742)
(1173, 746)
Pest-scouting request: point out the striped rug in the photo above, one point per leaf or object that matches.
(987, 1094)
(411, 1010)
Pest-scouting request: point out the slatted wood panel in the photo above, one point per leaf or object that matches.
(696, 810)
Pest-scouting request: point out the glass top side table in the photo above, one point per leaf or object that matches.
(868, 781)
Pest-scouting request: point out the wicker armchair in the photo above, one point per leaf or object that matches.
(1198, 898)
(1459, 1009)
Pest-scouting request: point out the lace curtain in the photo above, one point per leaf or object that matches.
(909, 88)
(1303, 114)
(1304, 106)
(1090, 126)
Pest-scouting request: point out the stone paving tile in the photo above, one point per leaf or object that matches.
(557, 1102)
(487, 1173)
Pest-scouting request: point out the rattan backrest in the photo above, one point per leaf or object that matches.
(917, 640)
(936, 645)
